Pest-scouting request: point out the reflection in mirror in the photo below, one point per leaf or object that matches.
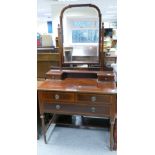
(81, 35)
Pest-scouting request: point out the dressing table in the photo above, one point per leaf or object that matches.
(71, 90)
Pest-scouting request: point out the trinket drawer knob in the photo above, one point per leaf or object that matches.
(93, 109)
(57, 96)
(93, 98)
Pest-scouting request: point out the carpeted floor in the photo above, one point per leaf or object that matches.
(73, 141)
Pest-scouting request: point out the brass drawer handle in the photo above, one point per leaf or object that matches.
(93, 109)
(58, 107)
(93, 98)
(105, 78)
(57, 96)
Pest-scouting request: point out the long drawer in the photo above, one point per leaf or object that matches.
(78, 109)
(57, 97)
(92, 99)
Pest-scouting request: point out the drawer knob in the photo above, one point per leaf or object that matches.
(93, 109)
(57, 96)
(93, 98)
(105, 78)
(58, 107)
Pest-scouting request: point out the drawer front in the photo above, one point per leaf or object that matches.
(106, 78)
(78, 109)
(57, 97)
(93, 99)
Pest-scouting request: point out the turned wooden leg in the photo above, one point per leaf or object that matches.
(115, 135)
(111, 133)
(43, 128)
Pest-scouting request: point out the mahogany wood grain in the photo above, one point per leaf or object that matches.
(79, 85)
(78, 96)
(56, 96)
(92, 98)
(62, 74)
(77, 109)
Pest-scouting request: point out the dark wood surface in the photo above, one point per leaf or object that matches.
(79, 85)
(78, 96)
(115, 136)
(62, 74)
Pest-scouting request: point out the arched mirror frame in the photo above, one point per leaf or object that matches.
(101, 32)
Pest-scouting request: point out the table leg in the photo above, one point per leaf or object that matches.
(112, 121)
(43, 128)
(115, 135)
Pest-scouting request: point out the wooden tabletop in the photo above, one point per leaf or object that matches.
(79, 85)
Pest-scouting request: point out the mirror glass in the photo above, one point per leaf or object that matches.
(80, 35)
